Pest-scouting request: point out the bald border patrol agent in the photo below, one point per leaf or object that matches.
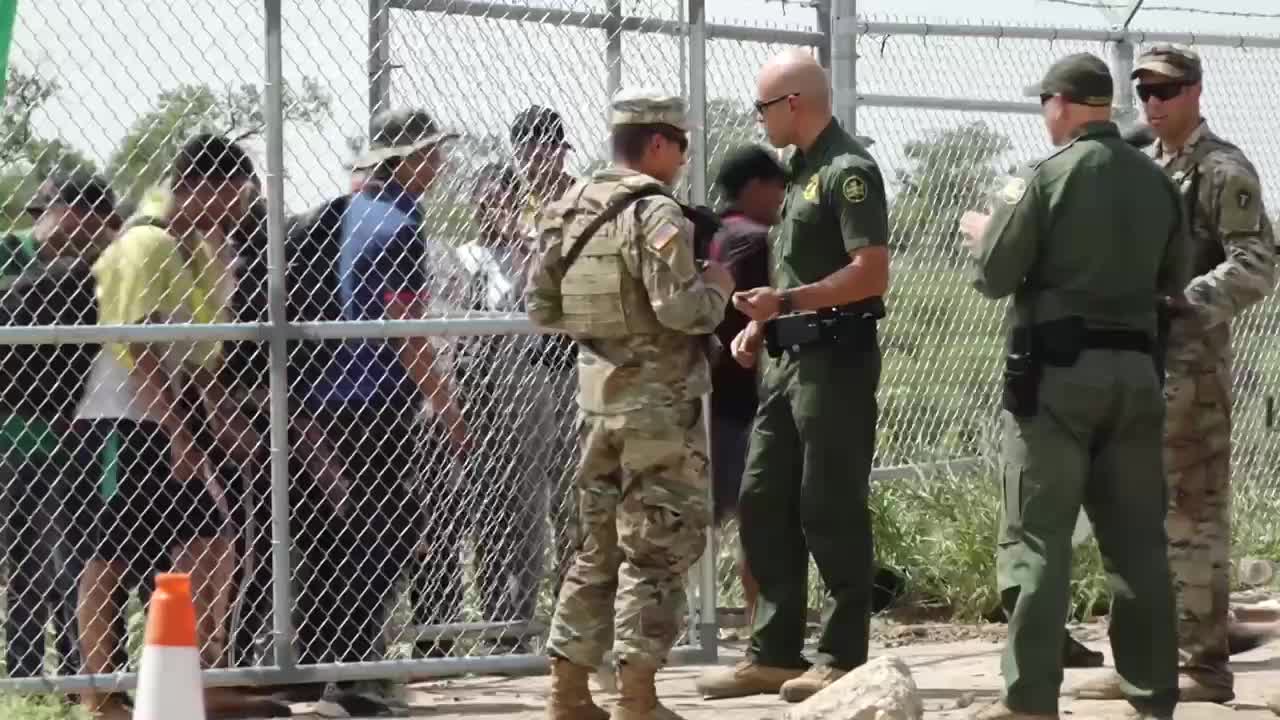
(618, 275)
(1086, 241)
(806, 486)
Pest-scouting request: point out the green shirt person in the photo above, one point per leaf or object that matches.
(805, 489)
(1087, 241)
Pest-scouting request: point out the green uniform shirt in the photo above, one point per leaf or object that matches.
(1094, 230)
(835, 204)
(30, 437)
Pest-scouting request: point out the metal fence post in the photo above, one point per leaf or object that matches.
(708, 633)
(844, 62)
(379, 55)
(823, 10)
(1124, 109)
(281, 542)
(613, 47)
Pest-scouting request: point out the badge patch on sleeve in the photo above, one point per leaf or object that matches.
(665, 233)
(1243, 199)
(811, 190)
(854, 189)
(1013, 190)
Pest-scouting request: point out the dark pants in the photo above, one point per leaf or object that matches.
(42, 569)
(805, 491)
(354, 561)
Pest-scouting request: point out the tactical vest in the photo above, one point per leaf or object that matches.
(600, 298)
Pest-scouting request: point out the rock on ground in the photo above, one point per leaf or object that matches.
(880, 690)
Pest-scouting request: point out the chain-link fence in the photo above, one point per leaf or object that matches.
(333, 414)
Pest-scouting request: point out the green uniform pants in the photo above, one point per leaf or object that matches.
(1096, 440)
(805, 491)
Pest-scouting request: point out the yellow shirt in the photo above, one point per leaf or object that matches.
(145, 276)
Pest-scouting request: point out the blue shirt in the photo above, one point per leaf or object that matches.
(381, 257)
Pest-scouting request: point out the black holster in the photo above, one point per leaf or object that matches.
(852, 325)
(1020, 392)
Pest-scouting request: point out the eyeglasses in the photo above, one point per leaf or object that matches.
(1164, 91)
(762, 104)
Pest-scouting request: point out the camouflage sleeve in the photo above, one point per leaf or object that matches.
(1248, 273)
(680, 298)
(1007, 249)
(542, 293)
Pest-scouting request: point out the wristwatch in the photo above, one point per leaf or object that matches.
(784, 302)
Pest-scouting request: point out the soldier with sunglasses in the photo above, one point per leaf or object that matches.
(1233, 267)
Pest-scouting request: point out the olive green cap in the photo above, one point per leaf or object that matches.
(1176, 61)
(1081, 78)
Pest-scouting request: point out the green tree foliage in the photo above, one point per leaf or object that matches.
(26, 157)
(949, 172)
(143, 155)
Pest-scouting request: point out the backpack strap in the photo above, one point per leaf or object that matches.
(614, 209)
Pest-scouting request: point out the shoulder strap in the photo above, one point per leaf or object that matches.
(612, 211)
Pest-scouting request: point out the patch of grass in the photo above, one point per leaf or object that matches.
(39, 707)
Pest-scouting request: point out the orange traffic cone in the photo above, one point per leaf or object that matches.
(169, 677)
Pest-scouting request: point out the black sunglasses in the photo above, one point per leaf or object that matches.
(1164, 91)
(762, 104)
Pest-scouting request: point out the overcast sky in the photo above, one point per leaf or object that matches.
(112, 57)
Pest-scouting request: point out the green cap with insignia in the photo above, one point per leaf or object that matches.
(648, 106)
(1175, 61)
(1081, 78)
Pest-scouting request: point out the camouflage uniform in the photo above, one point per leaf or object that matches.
(1233, 267)
(642, 480)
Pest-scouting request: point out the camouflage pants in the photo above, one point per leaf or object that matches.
(643, 508)
(1197, 456)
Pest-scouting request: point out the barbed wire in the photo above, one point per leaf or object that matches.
(1169, 8)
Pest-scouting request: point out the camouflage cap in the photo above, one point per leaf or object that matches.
(648, 106)
(1081, 78)
(1176, 61)
(397, 133)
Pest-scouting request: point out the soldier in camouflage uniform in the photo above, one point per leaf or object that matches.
(632, 297)
(1233, 267)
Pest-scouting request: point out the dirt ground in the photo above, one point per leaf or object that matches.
(952, 665)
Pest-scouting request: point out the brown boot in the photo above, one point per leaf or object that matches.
(1195, 689)
(999, 711)
(1108, 687)
(570, 697)
(745, 678)
(813, 681)
(638, 699)
(105, 706)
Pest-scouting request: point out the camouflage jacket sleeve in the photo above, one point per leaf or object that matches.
(1005, 252)
(1234, 208)
(680, 298)
(542, 293)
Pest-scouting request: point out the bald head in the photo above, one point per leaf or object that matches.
(796, 71)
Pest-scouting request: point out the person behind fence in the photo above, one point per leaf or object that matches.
(538, 138)
(370, 399)
(1234, 268)
(149, 489)
(806, 485)
(1085, 241)
(753, 184)
(618, 274)
(507, 491)
(45, 278)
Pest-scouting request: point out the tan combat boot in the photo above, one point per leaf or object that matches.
(999, 711)
(570, 697)
(745, 678)
(639, 698)
(814, 680)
